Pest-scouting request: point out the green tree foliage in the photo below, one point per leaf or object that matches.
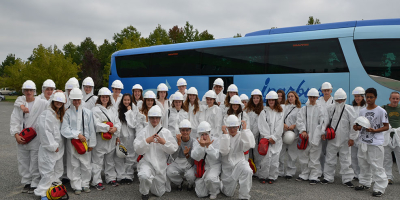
(205, 36)
(237, 35)
(128, 32)
(312, 21)
(188, 34)
(71, 50)
(10, 60)
(176, 34)
(91, 67)
(105, 51)
(158, 36)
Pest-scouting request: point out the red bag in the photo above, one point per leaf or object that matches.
(252, 165)
(108, 135)
(302, 143)
(263, 146)
(56, 192)
(246, 152)
(28, 134)
(199, 168)
(139, 158)
(330, 133)
(80, 147)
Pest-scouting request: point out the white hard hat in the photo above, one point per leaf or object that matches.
(210, 94)
(204, 127)
(358, 90)
(72, 83)
(233, 88)
(192, 90)
(244, 97)
(272, 95)
(155, 111)
(88, 81)
(137, 87)
(219, 82)
(121, 151)
(117, 84)
(76, 93)
(326, 86)
(59, 96)
(149, 95)
(177, 96)
(104, 91)
(340, 94)
(313, 93)
(185, 124)
(235, 99)
(232, 121)
(256, 92)
(162, 87)
(29, 85)
(288, 137)
(49, 84)
(363, 121)
(181, 82)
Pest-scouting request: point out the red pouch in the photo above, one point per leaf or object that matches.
(80, 147)
(199, 168)
(263, 146)
(108, 135)
(330, 133)
(246, 152)
(28, 134)
(302, 143)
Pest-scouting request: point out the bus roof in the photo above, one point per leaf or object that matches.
(336, 25)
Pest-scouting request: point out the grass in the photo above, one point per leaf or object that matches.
(10, 98)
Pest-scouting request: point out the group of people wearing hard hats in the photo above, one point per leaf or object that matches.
(213, 142)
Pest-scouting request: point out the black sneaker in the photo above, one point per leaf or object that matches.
(263, 181)
(26, 188)
(113, 183)
(314, 182)
(31, 189)
(324, 182)
(361, 187)
(180, 187)
(100, 186)
(377, 194)
(189, 187)
(349, 184)
(288, 177)
(271, 181)
(145, 197)
(300, 179)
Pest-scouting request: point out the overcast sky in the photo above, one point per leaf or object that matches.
(26, 24)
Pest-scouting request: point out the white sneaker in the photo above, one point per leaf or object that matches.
(213, 196)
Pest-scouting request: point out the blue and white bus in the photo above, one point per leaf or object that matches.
(346, 54)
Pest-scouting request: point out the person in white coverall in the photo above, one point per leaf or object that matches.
(370, 150)
(51, 148)
(291, 109)
(325, 101)
(181, 84)
(162, 97)
(235, 108)
(192, 103)
(48, 88)
(78, 124)
(154, 143)
(27, 154)
(183, 163)
(245, 99)
(341, 118)
(235, 168)
(104, 152)
(69, 85)
(127, 113)
(310, 122)
(218, 88)
(175, 114)
(142, 119)
(89, 98)
(116, 96)
(270, 124)
(232, 90)
(212, 114)
(137, 94)
(207, 148)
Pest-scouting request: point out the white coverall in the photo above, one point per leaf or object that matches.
(354, 148)
(50, 162)
(194, 120)
(321, 101)
(209, 183)
(164, 107)
(234, 165)
(391, 144)
(27, 155)
(290, 113)
(124, 166)
(104, 152)
(79, 166)
(270, 124)
(253, 153)
(212, 115)
(220, 97)
(116, 103)
(315, 126)
(173, 118)
(152, 168)
(89, 99)
(344, 132)
(242, 116)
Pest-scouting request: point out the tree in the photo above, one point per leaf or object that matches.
(10, 60)
(311, 21)
(237, 35)
(176, 34)
(91, 67)
(188, 32)
(158, 36)
(71, 50)
(105, 51)
(13, 75)
(205, 36)
(128, 32)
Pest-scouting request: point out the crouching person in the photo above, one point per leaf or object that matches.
(154, 143)
(78, 129)
(183, 163)
(234, 165)
(206, 153)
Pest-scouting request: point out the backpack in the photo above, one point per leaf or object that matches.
(80, 147)
(329, 131)
(303, 143)
(108, 135)
(27, 133)
(56, 192)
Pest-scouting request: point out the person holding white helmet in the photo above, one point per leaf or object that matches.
(212, 114)
(183, 162)
(116, 87)
(89, 98)
(162, 97)
(142, 119)
(341, 118)
(232, 90)
(218, 88)
(370, 149)
(175, 114)
(206, 149)
(105, 121)
(27, 155)
(48, 88)
(292, 107)
(358, 103)
(192, 103)
(245, 99)
(51, 150)
(127, 113)
(181, 84)
(137, 94)
(154, 143)
(78, 124)
(311, 122)
(253, 110)
(234, 165)
(270, 124)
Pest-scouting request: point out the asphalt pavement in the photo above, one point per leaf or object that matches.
(10, 186)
